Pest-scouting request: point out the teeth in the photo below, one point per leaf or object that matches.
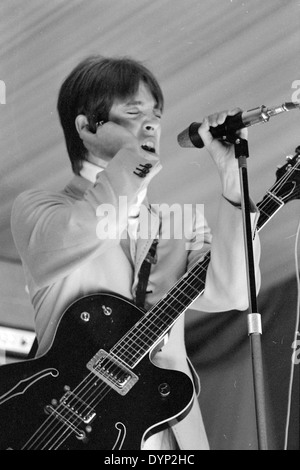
(148, 146)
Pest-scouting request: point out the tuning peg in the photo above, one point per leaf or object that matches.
(289, 157)
(298, 150)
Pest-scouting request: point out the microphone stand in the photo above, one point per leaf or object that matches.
(254, 318)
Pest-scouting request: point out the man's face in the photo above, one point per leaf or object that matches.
(140, 115)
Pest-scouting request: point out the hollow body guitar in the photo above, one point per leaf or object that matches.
(96, 387)
(80, 395)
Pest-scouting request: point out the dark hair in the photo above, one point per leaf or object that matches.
(91, 88)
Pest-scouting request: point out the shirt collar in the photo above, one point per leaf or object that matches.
(90, 171)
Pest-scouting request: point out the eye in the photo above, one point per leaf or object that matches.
(133, 111)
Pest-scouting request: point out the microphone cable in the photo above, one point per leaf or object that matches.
(296, 342)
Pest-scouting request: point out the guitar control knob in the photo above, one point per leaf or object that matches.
(85, 316)
(164, 390)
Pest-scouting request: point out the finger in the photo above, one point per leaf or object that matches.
(243, 133)
(204, 132)
(234, 111)
(99, 126)
(217, 118)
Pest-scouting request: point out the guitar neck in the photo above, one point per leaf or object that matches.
(268, 208)
(155, 324)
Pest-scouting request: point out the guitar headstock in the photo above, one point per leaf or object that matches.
(287, 186)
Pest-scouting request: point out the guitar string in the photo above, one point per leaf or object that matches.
(60, 426)
(148, 323)
(90, 403)
(52, 424)
(266, 203)
(270, 203)
(60, 408)
(96, 398)
(269, 200)
(278, 185)
(70, 431)
(260, 209)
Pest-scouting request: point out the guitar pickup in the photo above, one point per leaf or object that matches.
(115, 374)
(74, 404)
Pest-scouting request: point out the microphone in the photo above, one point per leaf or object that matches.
(191, 138)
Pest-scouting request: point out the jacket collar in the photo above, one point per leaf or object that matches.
(80, 183)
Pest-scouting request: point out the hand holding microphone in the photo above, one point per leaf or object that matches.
(221, 152)
(190, 137)
(214, 127)
(224, 126)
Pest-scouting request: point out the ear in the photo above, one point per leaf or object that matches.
(81, 123)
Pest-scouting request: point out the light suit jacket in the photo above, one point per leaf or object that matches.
(66, 252)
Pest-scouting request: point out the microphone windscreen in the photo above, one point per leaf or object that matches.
(190, 137)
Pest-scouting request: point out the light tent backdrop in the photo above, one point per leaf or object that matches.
(209, 55)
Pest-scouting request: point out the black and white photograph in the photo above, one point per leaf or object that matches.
(149, 227)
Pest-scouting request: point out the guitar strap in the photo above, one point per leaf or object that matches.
(144, 274)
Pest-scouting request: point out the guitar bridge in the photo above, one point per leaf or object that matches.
(119, 377)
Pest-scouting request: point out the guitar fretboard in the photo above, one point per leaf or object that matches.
(160, 318)
(155, 324)
(268, 208)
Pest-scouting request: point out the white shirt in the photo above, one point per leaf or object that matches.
(90, 172)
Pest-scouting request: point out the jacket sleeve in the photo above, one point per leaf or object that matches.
(54, 235)
(226, 278)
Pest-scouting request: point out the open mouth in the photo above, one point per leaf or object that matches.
(148, 147)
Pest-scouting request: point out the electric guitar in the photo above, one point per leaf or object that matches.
(96, 387)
